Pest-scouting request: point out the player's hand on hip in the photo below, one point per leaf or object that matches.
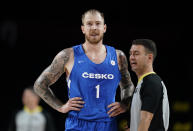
(73, 104)
(116, 109)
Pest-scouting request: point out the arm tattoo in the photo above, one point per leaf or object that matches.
(126, 84)
(49, 76)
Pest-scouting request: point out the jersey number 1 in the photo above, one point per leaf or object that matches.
(97, 91)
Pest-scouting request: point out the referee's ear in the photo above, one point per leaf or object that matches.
(150, 57)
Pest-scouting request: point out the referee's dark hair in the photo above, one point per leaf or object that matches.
(149, 45)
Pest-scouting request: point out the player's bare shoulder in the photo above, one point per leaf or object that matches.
(67, 56)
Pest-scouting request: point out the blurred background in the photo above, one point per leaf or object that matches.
(31, 34)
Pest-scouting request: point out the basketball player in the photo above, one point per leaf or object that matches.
(150, 106)
(94, 71)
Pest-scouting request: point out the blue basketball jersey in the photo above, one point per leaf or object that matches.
(96, 84)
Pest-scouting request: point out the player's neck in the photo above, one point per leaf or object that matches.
(95, 48)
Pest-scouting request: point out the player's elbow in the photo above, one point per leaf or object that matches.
(36, 86)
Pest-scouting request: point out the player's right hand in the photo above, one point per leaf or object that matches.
(74, 104)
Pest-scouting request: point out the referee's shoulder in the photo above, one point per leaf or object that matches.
(153, 79)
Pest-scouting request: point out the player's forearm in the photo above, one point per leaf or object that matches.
(126, 94)
(41, 87)
(127, 88)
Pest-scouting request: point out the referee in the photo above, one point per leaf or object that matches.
(150, 106)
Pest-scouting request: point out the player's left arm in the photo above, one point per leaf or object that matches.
(126, 87)
(126, 84)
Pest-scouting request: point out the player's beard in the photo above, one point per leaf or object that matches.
(94, 40)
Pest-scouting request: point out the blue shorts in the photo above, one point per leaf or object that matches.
(74, 124)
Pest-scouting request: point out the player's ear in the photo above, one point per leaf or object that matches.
(105, 28)
(82, 28)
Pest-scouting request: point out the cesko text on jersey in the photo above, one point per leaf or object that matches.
(97, 76)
